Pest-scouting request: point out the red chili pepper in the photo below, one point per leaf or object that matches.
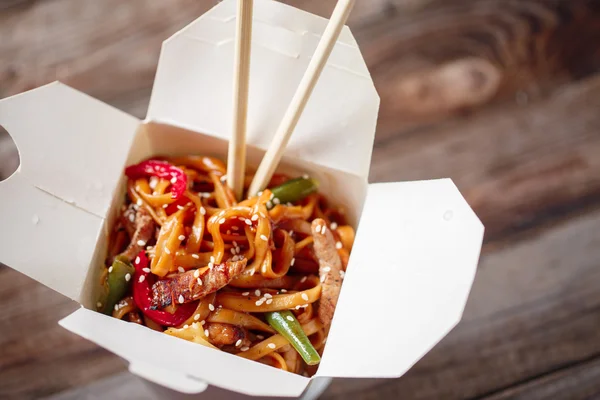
(161, 169)
(142, 296)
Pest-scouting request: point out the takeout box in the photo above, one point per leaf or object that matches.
(417, 244)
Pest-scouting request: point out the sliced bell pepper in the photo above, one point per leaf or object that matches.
(160, 169)
(288, 326)
(117, 283)
(294, 190)
(142, 296)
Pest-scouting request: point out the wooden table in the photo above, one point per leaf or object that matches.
(501, 96)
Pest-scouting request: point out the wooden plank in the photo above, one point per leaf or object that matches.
(534, 309)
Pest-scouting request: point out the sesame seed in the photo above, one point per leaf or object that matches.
(269, 204)
(116, 307)
(271, 346)
(323, 277)
(206, 332)
(303, 279)
(212, 259)
(245, 348)
(173, 180)
(202, 210)
(199, 281)
(257, 292)
(304, 297)
(342, 274)
(297, 307)
(248, 222)
(146, 270)
(326, 269)
(290, 318)
(259, 193)
(98, 304)
(142, 278)
(221, 221)
(260, 337)
(165, 205)
(232, 250)
(323, 229)
(276, 201)
(269, 301)
(268, 295)
(196, 256)
(139, 202)
(167, 250)
(223, 178)
(137, 260)
(131, 217)
(255, 217)
(228, 232)
(283, 291)
(333, 226)
(179, 207)
(245, 293)
(339, 245)
(305, 176)
(258, 303)
(211, 265)
(181, 237)
(293, 261)
(211, 307)
(181, 269)
(262, 214)
(180, 299)
(197, 273)
(263, 237)
(238, 343)
(196, 317)
(202, 322)
(110, 269)
(289, 204)
(235, 228)
(141, 243)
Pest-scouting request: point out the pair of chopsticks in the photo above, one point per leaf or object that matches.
(236, 159)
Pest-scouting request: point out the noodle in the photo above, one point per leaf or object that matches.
(201, 234)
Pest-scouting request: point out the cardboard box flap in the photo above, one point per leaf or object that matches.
(407, 282)
(72, 149)
(144, 347)
(196, 68)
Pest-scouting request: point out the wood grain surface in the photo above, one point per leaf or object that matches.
(501, 96)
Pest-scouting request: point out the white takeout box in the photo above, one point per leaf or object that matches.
(417, 244)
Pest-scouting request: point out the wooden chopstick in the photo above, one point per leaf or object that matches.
(236, 157)
(309, 80)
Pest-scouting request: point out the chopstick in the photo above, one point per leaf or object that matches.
(236, 156)
(307, 84)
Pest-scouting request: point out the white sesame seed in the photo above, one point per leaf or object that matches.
(197, 273)
(165, 205)
(290, 318)
(131, 217)
(181, 269)
(323, 277)
(223, 178)
(167, 250)
(248, 222)
(232, 250)
(283, 291)
(304, 296)
(196, 256)
(259, 193)
(202, 210)
(268, 295)
(181, 237)
(202, 322)
(333, 226)
(303, 279)
(257, 292)
(269, 301)
(339, 245)
(245, 348)
(206, 332)
(260, 337)
(116, 307)
(199, 281)
(180, 299)
(276, 201)
(146, 270)
(342, 274)
(262, 214)
(142, 278)
(326, 269)
(305, 176)
(196, 317)
(264, 268)
(110, 269)
(211, 265)
(98, 304)
(173, 180)
(211, 307)
(137, 260)
(245, 293)
(179, 207)
(238, 343)
(323, 229)
(255, 217)
(263, 237)
(271, 346)
(141, 243)
(221, 221)
(139, 202)
(269, 204)
(293, 261)
(258, 303)
(212, 259)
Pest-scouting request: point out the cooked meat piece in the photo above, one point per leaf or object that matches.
(224, 334)
(128, 219)
(330, 266)
(144, 229)
(185, 286)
